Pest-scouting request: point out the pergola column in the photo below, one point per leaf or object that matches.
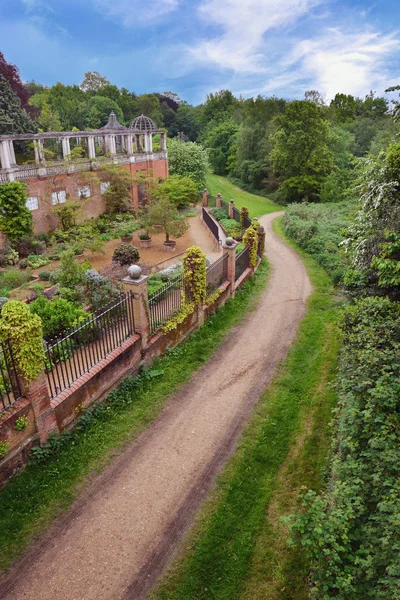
(5, 155)
(66, 150)
(12, 153)
(91, 147)
(129, 143)
(150, 142)
(163, 140)
(39, 155)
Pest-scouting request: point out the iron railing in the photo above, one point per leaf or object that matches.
(217, 273)
(211, 224)
(78, 349)
(164, 303)
(242, 262)
(9, 382)
(212, 201)
(236, 214)
(225, 206)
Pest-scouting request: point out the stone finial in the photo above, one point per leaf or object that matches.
(229, 241)
(134, 272)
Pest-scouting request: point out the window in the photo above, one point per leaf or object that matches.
(84, 191)
(58, 197)
(104, 186)
(32, 203)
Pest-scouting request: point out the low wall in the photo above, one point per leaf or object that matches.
(20, 442)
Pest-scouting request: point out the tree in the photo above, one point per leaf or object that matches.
(11, 73)
(149, 105)
(188, 159)
(221, 144)
(98, 110)
(49, 119)
(314, 96)
(15, 218)
(163, 212)
(300, 151)
(344, 107)
(217, 108)
(396, 109)
(118, 196)
(93, 81)
(13, 118)
(180, 191)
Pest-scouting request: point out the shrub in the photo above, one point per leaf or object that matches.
(28, 245)
(231, 227)
(351, 531)
(219, 213)
(24, 263)
(244, 214)
(144, 236)
(8, 256)
(250, 239)
(15, 218)
(180, 191)
(34, 261)
(44, 276)
(194, 275)
(11, 279)
(56, 315)
(125, 254)
(3, 449)
(99, 291)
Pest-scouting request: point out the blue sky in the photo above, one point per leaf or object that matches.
(280, 47)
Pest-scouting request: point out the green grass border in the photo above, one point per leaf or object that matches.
(257, 205)
(44, 489)
(233, 550)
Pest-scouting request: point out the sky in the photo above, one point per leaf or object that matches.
(194, 47)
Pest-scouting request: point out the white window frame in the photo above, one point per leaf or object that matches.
(104, 186)
(32, 203)
(84, 191)
(58, 197)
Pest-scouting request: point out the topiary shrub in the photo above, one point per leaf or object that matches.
(194, 275)
(44, 276)
(244, 215)
(250, 238)
(15, 217)
(24, 330)
(125, 254)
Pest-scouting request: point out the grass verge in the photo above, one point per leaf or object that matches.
(256, 204)
(37, 495)
(237, 548)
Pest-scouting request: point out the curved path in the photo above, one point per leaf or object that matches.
(126, 526)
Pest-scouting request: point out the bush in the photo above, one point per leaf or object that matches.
(15, 218)
(8, 256)
(219, 213)
(99, 291)
(57, 315)
(44, 276)
(34, 261)
(125, 254)
(144, 236)
(11, 279)
(231, 227)
(28, 245)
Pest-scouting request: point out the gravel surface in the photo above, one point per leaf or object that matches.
(125, 528)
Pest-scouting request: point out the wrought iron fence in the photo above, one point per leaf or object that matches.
(225, 206)
(9, 382)
(164, 303)
(217, 273)
(242, 262)
(211, 224)
(236, 214)
(78, 349)
(212, 201)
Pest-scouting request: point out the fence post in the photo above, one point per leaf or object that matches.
(37, 392)
(218, 201)
(140, 302)
(261, 241)
(231, 207)
(229, 248)
(205, 197)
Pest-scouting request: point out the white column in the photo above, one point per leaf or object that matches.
(146, 143)
(40, 150)
(5, 155)
(12, 153)
(91, 147)
(150, 142)
(129, 144)
(66, 150)
(163, 142)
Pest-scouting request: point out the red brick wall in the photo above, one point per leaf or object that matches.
(20, 442)
(44, 218)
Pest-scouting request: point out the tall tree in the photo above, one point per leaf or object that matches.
(300, 151)
(98, 110)
(11, 73)
(13, 118)
(93, 81)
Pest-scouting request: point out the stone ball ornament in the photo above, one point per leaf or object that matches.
(229, 241)
(134, 272)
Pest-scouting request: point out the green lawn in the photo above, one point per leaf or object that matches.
(257, 205)
(238, 546)
(32, 499)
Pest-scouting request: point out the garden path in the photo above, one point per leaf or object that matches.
(125, 528)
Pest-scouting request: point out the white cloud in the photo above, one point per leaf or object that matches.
(244, 24)
(134, 12)
(352, 63)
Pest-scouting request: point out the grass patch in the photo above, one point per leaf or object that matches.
(31, 500)
(237, 548)
(257, 205)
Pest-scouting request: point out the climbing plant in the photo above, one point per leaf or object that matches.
(194, 275)
(250, 239)
(24, 330)
(15, 218)
(244, 213)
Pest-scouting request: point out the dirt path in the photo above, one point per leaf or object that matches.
(125, 528)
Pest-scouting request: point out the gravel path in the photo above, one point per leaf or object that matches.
(126, 526)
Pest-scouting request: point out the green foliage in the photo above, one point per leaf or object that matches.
(15, 218)
(66, 214)
(70, 274)
(8, 256)
(21, 423)
(194, 275)
(44, 276)
(34, 261)
(300, 151)
(231, 227)
(98, 110)
(250, 239)
(118, 196)
(188, 159)
(11, 279)
(351, 531)
(163, 212)
(221, 144)
(125, 254)
(4, 449)
(99, 291)
(24, 330)
(244, 214)
(57, 315)
(387, 263)
(13, 118)
(219, 213)
(180, 191)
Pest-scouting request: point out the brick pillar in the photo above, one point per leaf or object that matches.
(140, 302)
(229, 248)
(261, 240)
(37, 392)
(231, 207)
(218, 202)
(205, 197)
